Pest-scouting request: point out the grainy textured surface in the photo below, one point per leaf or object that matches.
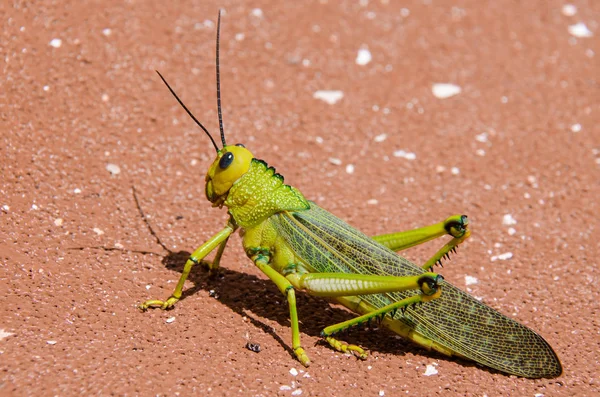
(77, 257)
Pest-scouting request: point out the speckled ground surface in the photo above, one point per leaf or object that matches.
(520, 139)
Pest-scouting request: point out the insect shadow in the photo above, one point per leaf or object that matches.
(262, 298)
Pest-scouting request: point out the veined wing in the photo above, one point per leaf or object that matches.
(456, 320)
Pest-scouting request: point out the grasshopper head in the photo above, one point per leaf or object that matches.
(231, 163)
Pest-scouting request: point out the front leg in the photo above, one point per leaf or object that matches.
(219, 239)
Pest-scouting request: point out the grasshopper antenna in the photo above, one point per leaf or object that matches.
(219, 83)
(190, 113)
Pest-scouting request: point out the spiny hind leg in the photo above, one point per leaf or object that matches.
(456, 226)
(340, 285)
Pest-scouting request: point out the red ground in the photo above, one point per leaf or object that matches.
(77, 257)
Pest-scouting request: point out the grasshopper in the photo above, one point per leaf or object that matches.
(300, 246)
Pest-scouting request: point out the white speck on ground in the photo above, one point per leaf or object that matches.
(350, 169)
(297, 392)
(4, 334)
(483, 137)
(294, 372)
(113, 169)
(405, 154)
(335, 161)
(56, 43)
(470, 280)
(363, 57)
(98, 231)
(51, 342)
(511, 231)
(576, 127)
(106, 32)
(257, 12)
(580, 30)
(380, 138)
(502, 257)
(569, 10)
(445, 90)
(508, 220)
(77, 190)
(430, 370)
(439, 169)
(455, 171)
(285, 387)
(329, 96)
(58, 221)
(119, 246)
(170, 320)
(381, 393)
(372, 201)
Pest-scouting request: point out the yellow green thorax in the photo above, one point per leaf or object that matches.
(261, 193)
(249, 188)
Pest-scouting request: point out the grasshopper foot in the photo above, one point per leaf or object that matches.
(344, 348)
(301, 356)
(164, 305)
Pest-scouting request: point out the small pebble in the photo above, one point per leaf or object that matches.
(294, 372)
(106, 32)
(119, 246)
(77, 190)
(430, 370)
(170, 320)
(470, 280)
(329, 96)
(380, 138)
(455, 171)
(113, 169)
(568, 10)
(405, 154)
(444, 90)
(580, 30)
(508, 220)
(502, 257)
(98, 231)
(5, 208)
(58, 221)
(576, 128)
(350, 169)
(511, 231)
(364, 57)
(56, 43)
(372, 201)
(335, 161)
(51, 342)
(257, 12)
(297, 392)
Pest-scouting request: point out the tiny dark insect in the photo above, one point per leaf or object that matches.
(253, 347)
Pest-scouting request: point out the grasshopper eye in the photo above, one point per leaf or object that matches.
(226, 160)
(240, 144)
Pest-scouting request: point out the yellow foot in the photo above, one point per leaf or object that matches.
(302, 357)
(158, 303)
(344, 347)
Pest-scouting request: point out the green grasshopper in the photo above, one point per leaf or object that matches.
(300, 246)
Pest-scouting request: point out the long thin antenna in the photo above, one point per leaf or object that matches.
(219, 83)
(190, 113)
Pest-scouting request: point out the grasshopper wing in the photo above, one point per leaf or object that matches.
(456, 320)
